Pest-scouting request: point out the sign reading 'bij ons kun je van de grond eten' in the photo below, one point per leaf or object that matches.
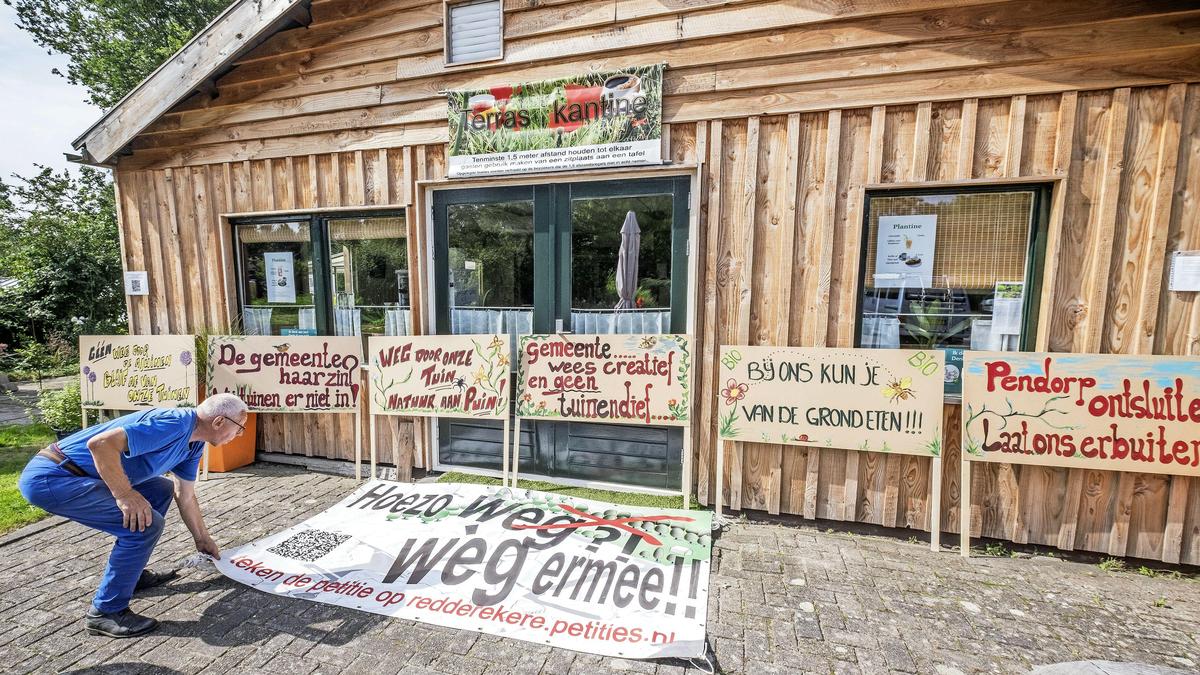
(1115, 412)
(611, 118)
(879, 400)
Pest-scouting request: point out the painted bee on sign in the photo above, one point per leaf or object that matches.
(648, 342)
(899, 390)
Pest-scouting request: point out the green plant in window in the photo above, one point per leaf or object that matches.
(930, 325)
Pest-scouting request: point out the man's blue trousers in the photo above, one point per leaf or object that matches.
(88, 501)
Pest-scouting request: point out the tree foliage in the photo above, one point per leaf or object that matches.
(59, 241)
(113, 44)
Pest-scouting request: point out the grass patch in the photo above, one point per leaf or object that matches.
(626, 498)
(17, 444)
(1112, 565)
(995, 550)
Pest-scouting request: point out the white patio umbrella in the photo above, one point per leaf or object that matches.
(627, 262)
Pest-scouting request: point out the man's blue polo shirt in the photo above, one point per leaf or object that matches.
(158, 441)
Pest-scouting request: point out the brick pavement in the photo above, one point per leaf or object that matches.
(784, 598)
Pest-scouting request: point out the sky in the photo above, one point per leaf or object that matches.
(42, 113)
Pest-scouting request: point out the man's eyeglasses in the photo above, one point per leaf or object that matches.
(235, 424)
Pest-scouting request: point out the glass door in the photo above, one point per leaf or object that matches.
(607, 257)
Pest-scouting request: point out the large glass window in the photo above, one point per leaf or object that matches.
(368, 264)
(951, 269)
(324, 276)
(276, 267)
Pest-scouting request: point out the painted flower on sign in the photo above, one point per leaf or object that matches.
(734, 392)
(186, 358)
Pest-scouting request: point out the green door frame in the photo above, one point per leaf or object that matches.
(552, 236)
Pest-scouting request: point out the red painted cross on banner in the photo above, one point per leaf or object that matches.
(618, 523)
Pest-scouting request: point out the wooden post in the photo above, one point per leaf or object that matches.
(935, 510)
(964, 509)
(720, 495)
(371, 425)
(516, 451)
(204, 468)
(357, 446)
(687, 467)
(504, 452)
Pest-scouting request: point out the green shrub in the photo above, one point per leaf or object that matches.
(60, 409)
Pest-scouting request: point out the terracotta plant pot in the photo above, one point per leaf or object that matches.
(236, 453)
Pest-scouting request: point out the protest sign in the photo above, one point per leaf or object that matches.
(440, 375)
(130, 372)
(295, 373)
(1122, 413)
(622, 379)
(540, 567)
(879, 400)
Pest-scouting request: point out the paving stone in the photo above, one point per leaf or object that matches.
(785, 598)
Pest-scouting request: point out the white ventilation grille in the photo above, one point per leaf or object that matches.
(474, 31)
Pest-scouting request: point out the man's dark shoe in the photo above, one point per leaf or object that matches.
(122, 624)
(151, 579)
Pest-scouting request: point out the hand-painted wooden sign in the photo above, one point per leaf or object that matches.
(881, 400)
(130, 372)
(295, 373)
(1123, 413)
(442, 375)
(622, 379)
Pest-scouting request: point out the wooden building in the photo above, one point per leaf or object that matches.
(783, 122)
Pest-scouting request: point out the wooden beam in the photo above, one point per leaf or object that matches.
(238, 27)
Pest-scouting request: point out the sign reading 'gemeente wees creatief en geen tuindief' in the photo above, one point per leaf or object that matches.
(611, 118)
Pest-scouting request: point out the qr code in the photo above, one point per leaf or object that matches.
(308, 545)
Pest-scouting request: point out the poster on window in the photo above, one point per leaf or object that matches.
(281, 277)
(1006, 307)
(620, 379)
(131, 372)
(904, 251)
(545, 568)
(440, 375)
(608, 118)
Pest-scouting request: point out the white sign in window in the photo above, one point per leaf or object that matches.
(904, 251)
(281, 277)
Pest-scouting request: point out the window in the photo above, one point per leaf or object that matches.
(323, 276)
(954, 268)
(474, 31)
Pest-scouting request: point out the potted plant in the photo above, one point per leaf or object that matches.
(240, 451)
(60, 409)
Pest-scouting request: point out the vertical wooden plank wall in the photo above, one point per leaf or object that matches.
(1126, 172)
(780, 226)
(174, 214)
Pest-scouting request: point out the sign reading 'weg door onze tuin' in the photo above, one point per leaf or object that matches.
(125, 372)
(442, 375)
(1121, 413)
(612, 118)
(879, 400)
(287, 373)
(622, 379)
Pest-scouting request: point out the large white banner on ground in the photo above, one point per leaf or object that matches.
(552, 569)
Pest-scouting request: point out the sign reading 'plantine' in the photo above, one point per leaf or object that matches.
(626, 379)
(1123, 413)
(612, 118)
(880, 400)
(287, 373)
(444, 375)
(128, 372)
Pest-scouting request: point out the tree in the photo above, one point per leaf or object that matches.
(113, 44)
(59, 241)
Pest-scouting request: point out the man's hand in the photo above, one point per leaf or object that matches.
(136, 514)
(207, 545)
